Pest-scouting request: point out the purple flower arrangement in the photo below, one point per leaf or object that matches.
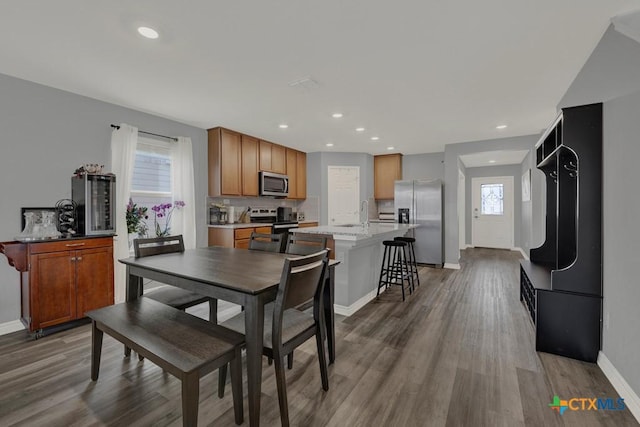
(165, 210)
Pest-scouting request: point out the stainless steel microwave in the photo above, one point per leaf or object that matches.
(273, 184)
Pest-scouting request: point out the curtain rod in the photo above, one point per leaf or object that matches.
(149, 133)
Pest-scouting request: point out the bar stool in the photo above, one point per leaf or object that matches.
(395, 269)
(413, 264)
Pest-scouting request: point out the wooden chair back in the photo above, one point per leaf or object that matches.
(265, 242)
(305, 245)
(157, 245)
(302, 279)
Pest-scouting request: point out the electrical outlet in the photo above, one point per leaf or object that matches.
(225, 201)
(606, 321)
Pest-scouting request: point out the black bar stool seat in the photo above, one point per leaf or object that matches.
(395, 269)
(411, 252)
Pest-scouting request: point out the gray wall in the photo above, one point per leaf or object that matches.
(317, 177)
(610, 72)
(423, 166)
(451, 162)
(48, 133)
(621, 237)
(514, 171)
(611, 75)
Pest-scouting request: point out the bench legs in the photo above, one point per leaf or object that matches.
(236, 386)
(190, 398)
(96, 350)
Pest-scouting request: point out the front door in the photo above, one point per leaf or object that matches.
(492, 212)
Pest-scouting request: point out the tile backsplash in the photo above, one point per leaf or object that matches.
(310, 206)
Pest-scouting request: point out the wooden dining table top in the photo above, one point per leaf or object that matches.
(246, 271)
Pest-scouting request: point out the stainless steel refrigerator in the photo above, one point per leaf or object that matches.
(420, 202)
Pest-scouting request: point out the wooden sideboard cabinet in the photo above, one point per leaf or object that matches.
(61, 280)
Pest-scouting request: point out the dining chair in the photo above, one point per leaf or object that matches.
(285, 327)
(167, 294)
(265, 242)
(305, 245)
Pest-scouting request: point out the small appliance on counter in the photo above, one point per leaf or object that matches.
(218, 214)
(284, 214)
(95, 198)
(386, 216)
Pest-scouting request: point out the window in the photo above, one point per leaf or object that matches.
(492, 196)
(151, 181)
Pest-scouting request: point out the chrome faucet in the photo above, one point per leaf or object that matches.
(364, 207)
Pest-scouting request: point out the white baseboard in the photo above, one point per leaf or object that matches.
(631, 399)
(351, 309)
(451, 265)
(9, 327)
(522, 251)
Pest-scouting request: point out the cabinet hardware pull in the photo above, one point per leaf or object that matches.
(73, 258)
(79, 258)
(69, 245)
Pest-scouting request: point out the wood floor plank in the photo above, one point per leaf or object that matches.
(458, 352)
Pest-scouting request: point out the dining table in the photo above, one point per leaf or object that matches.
(246, 277)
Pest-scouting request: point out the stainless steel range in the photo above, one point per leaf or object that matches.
(278, 224)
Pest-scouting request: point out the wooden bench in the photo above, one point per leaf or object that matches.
(183, 345)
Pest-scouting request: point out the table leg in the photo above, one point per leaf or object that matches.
(134, 286)
(328, 299)
(254, 327)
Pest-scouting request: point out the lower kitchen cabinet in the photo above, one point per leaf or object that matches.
(63, 279)
(234, 237)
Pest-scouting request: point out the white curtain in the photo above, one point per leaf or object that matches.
(184, 220)
(123, 155)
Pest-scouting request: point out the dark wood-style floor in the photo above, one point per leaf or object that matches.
(459, 352)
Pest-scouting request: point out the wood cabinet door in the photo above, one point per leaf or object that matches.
(387, 169)
(230, 163)
(53, 293)
(250, 166)
(265, 156)
(301, 175)
(242, 244)
(278, 159)
(94, 279)
(292, 167)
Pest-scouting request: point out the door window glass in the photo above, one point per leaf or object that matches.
(492, 199)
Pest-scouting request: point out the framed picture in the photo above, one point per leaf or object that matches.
(526, 186)
(37, 217)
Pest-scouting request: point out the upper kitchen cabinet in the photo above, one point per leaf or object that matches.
(387, 170)
(272, 157)
(250, 165)
(297, 173)
(225, 162)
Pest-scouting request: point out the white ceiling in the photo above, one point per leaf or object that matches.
(418, 74)
(493, 158)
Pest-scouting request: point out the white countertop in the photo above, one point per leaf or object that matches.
(253, 224)
(356, 232)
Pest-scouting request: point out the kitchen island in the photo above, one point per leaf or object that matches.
(359, 250)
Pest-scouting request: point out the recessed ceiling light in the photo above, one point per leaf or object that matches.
(337, 115)
(492, 161)
(501, 127)
(283, 126)
(147, 32)
(375, 138)
(391, 148)
(329, 145)
(359, 129)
